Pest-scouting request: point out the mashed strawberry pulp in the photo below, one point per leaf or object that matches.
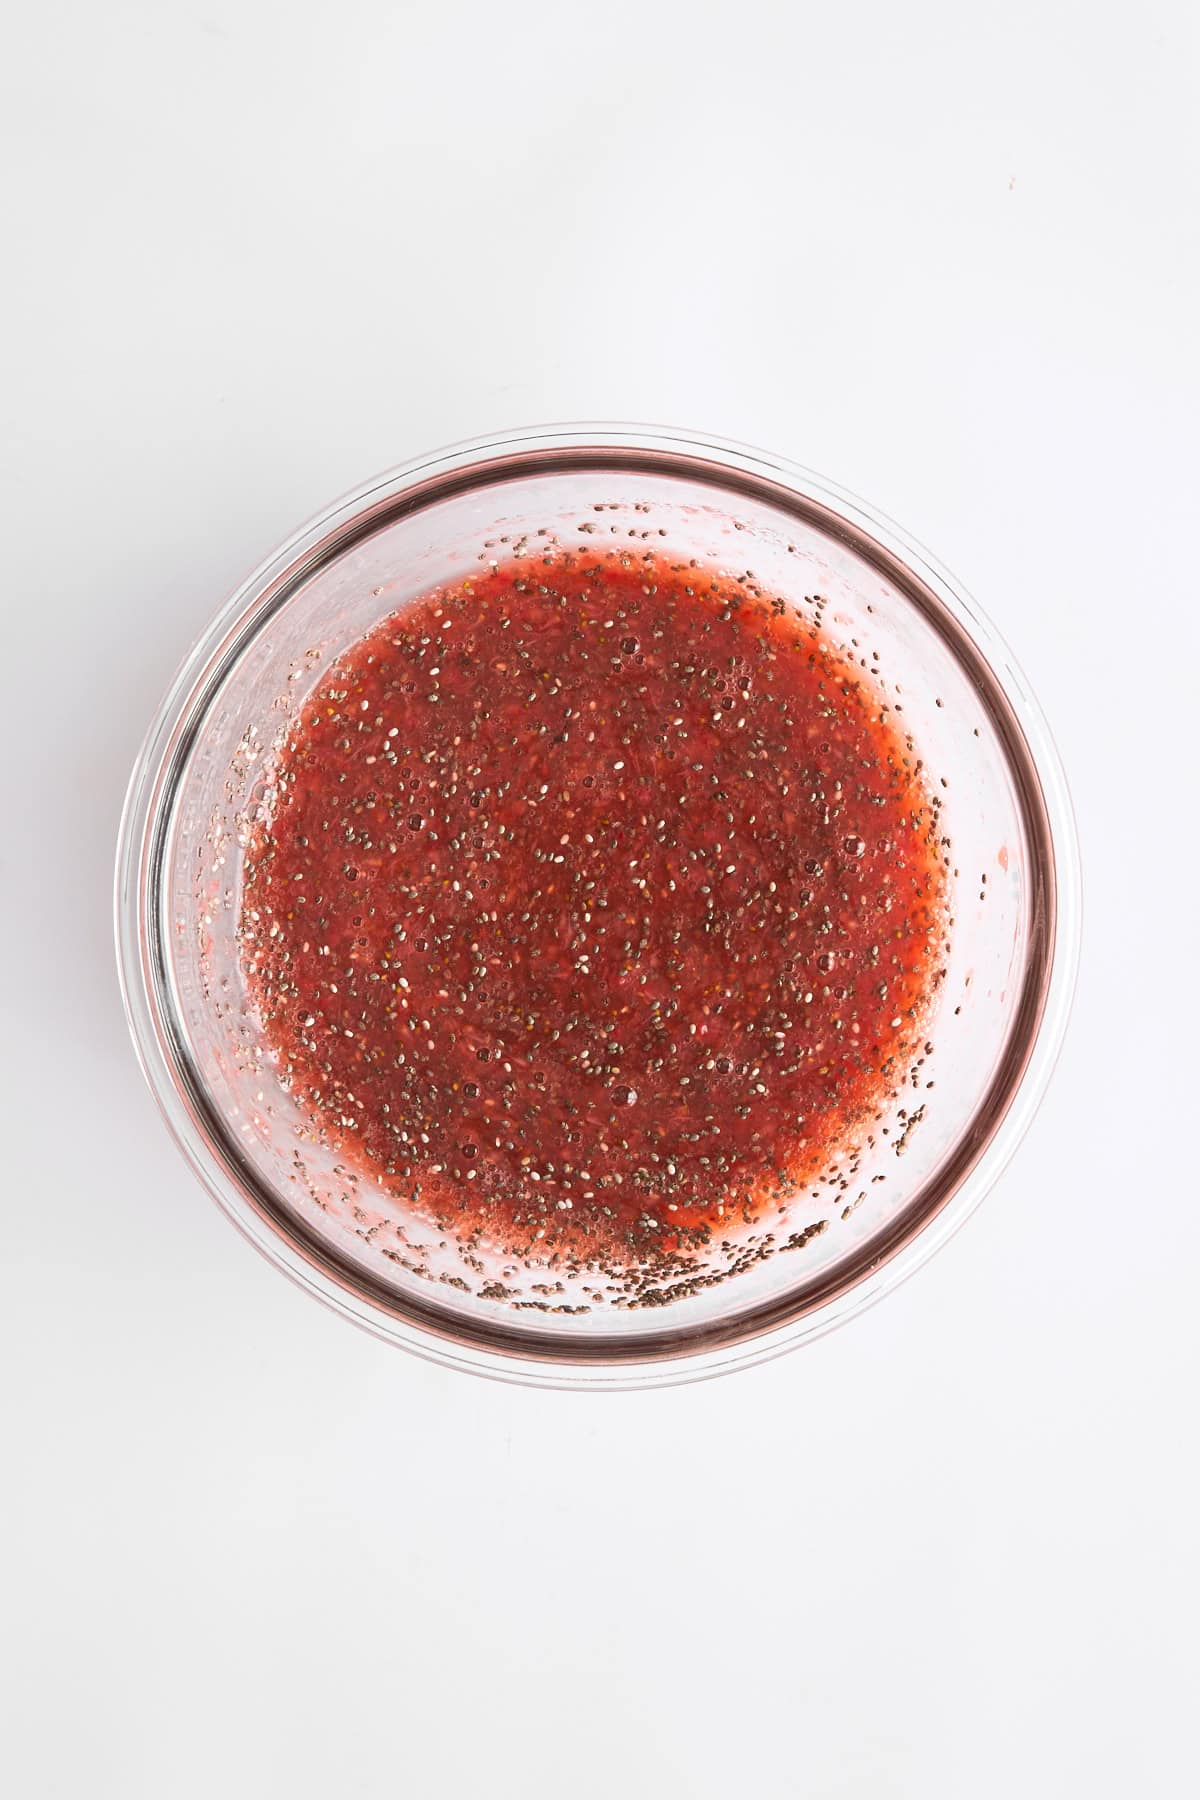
(598, 905)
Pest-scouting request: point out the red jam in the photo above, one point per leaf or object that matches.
(599, 905)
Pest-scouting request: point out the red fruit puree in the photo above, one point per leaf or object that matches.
(598, 905)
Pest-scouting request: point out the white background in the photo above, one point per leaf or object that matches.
(946, 254)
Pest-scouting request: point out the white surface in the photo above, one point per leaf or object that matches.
(945, 254)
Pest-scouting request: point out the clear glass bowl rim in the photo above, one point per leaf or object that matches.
(989, 1139)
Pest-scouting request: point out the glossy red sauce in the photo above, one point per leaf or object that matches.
(599, 904)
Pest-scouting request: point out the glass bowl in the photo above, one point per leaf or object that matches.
(205, 767)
